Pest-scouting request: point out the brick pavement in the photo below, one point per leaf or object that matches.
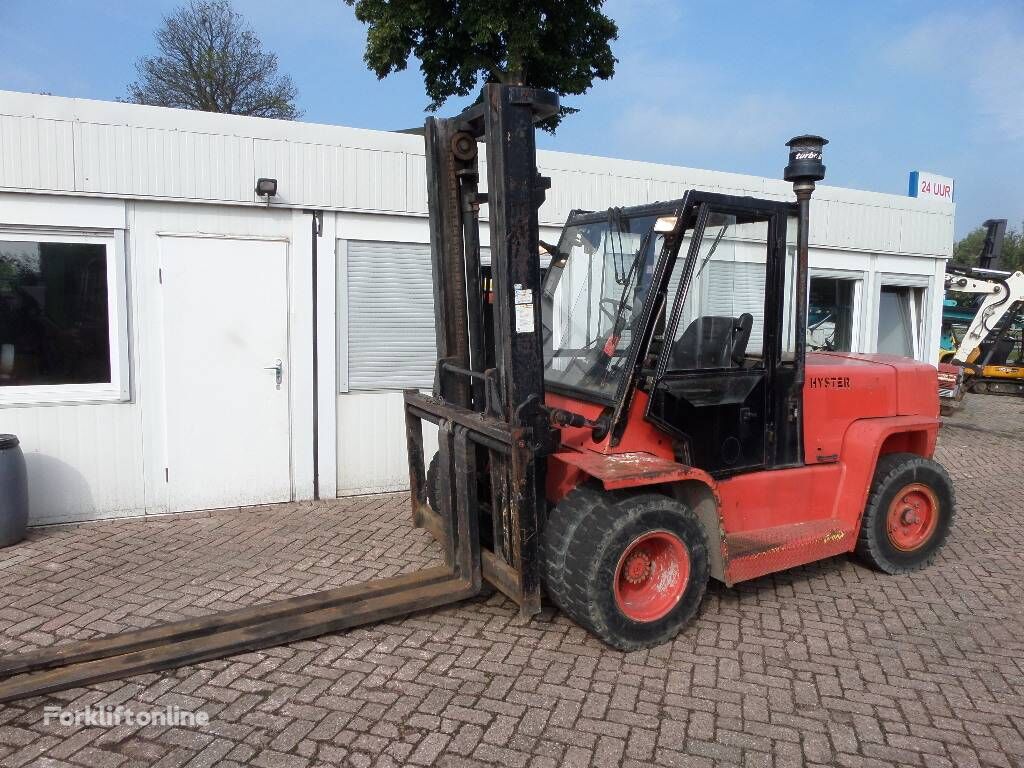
(830, 664)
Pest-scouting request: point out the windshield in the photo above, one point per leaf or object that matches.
(593, 297)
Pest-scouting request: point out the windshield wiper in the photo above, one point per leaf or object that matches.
(616, 329)
(615, 224)
(714, 246)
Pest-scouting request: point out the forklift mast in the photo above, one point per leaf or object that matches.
(489, 384)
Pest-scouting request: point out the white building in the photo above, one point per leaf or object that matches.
(157, 318)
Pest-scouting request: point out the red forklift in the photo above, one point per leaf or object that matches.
(643, 420)
(666, 423)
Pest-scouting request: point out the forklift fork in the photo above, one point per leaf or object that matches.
(191, 641)
(194, 640)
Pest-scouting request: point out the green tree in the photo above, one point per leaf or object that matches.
(967, 250)
(561, 45)
(211, 60)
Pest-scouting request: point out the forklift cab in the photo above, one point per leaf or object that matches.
(691, 303)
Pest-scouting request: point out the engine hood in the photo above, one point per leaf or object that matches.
(916, 383)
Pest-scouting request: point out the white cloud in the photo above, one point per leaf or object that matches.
(982, 51)
(669, 107)
(749, 122)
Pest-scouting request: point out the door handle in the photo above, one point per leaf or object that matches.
(278, 369)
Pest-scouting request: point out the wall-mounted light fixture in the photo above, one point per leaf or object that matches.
(266, 188)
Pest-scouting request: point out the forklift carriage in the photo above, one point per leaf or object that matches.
(647, 419)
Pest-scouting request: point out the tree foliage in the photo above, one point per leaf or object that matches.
(967, 250)
(211, 60)
(561, 45)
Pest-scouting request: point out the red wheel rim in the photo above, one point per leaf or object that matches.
(651, 576)
(913, 515)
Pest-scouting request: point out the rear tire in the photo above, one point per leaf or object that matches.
(631, 569)
(909, 514)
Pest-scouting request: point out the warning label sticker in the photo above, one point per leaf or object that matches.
(524, 309)
(524, 318)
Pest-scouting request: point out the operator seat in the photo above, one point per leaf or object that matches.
(713, 341)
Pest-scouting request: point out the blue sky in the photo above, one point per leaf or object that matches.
(895, 86)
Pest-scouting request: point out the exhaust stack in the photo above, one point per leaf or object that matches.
(805, 168)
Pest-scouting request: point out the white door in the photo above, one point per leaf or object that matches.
(225, 318)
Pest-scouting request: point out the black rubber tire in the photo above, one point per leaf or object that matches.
(586, 534)
(433, 489)
(894, 472)
(559, 532)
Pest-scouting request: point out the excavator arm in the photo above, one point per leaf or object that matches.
(1002, 296)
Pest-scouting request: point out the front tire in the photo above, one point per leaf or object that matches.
(909, 514)
(630, 568)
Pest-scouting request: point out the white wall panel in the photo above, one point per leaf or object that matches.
(61, 211)
(199, 166)
(329, 334)
(148, 162)
(36, 154)
(372, 454)
(378, 226)
(131, 150)
(375, 180)
(103, 158)
(416, 184)
(927, 233)
(307, 174)
(667, 190)
(84, 461)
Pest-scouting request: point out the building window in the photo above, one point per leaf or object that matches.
(900, 320)
(830, 313)
(61, 319)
